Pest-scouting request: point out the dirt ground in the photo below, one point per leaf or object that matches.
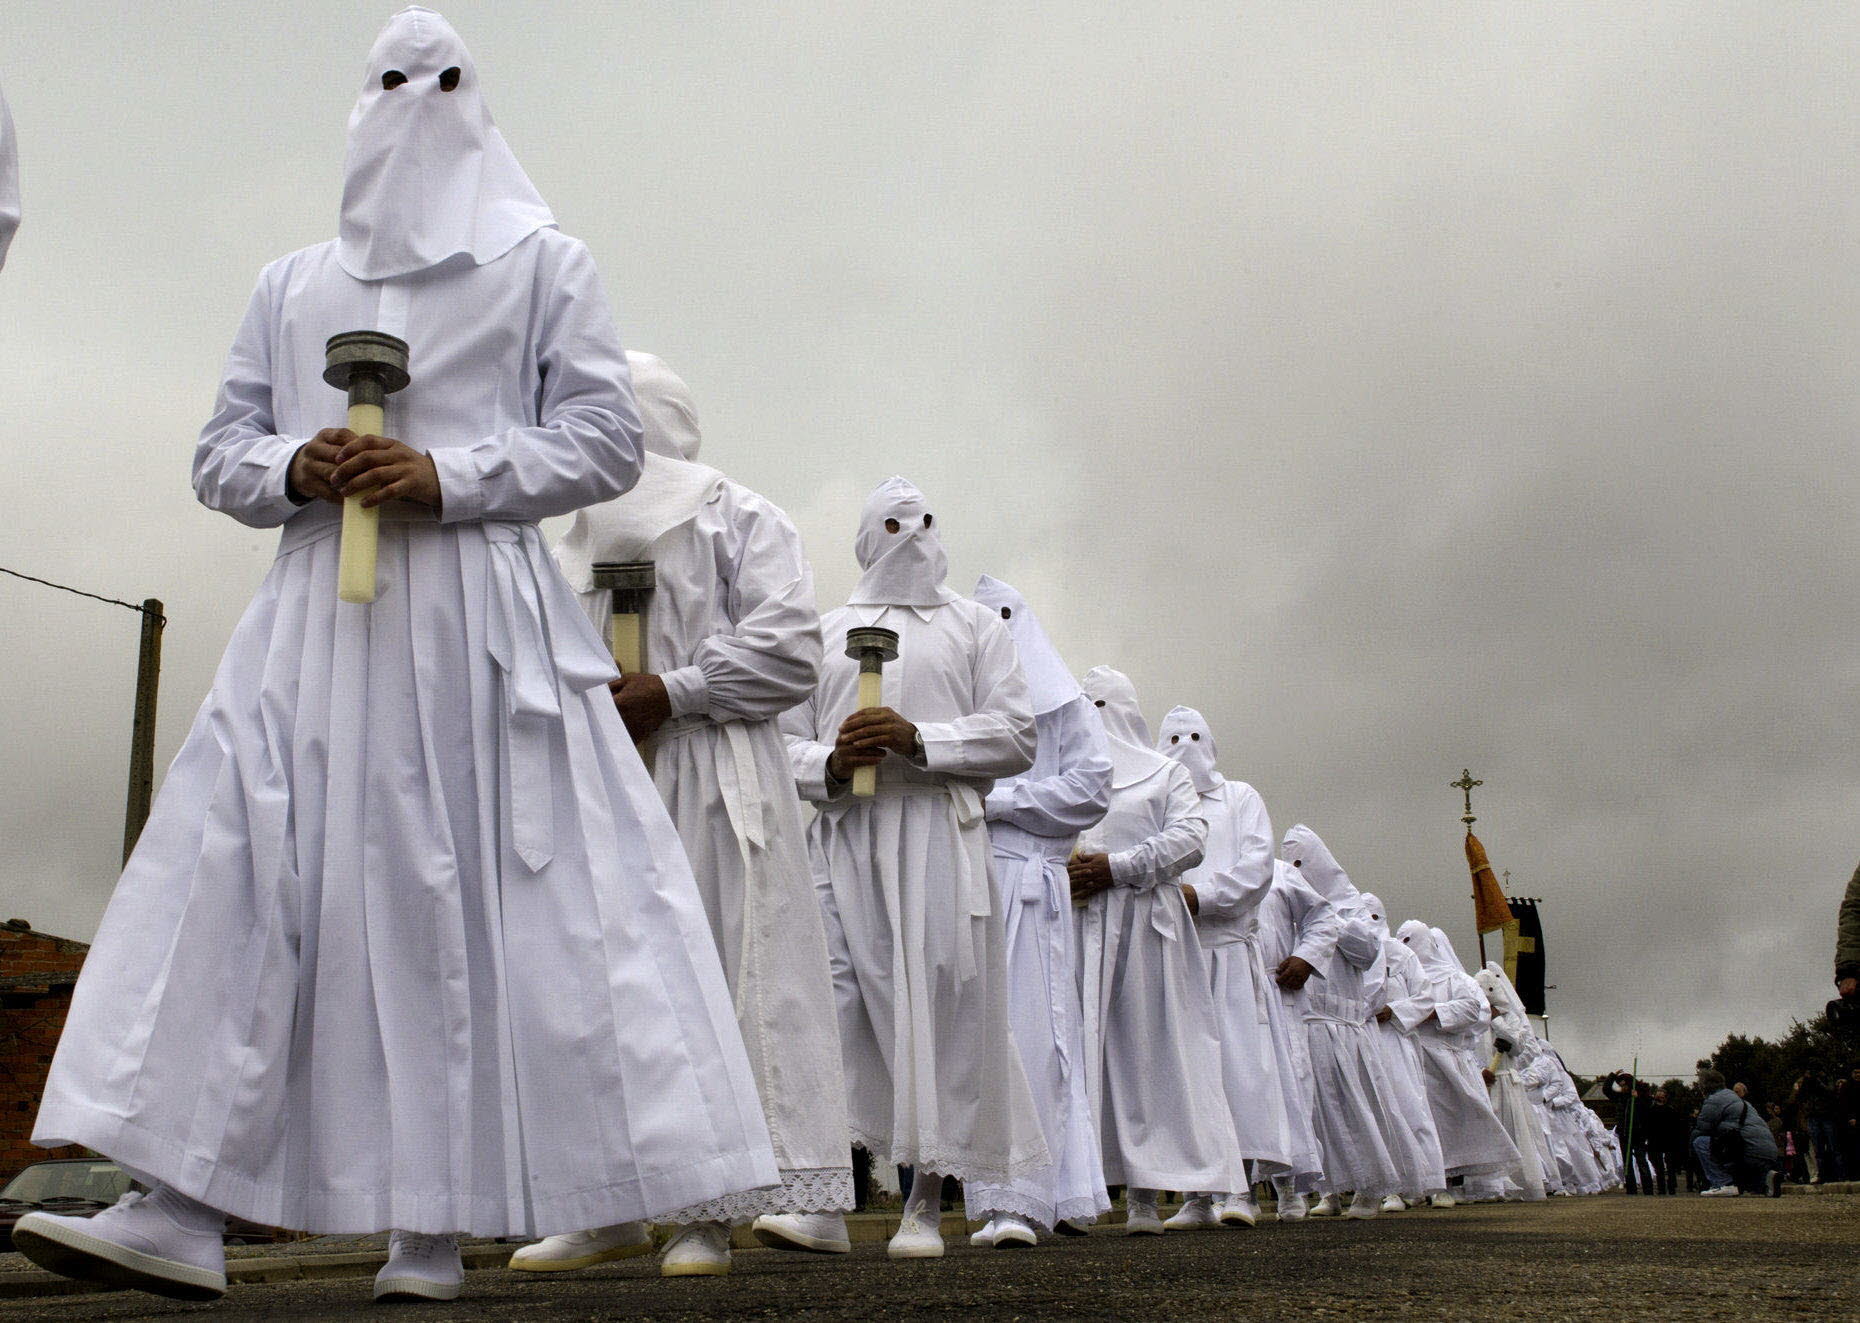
(1575, 1259)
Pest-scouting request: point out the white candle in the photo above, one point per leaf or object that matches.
(871, 694)
(361, 529)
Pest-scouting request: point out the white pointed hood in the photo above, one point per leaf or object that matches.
(1132, 759)
(1184, 736)
(1048, 681)
(1378, 917)
(9, 180)
(1438, 962)
(671, 489)
(1445, 943)
(905, 568)
(1498, 990)
(428, 177)
(1313, 858)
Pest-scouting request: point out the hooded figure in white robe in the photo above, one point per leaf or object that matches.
(1034, 820)
(732, 640)
(409, 940)
(1298, 932)
(9, 180)
(1510, 1099)
(1152, 1041)
(1446, 1020)
(904, 878)
(1229, 884)
(1415, 1141)
(1553, 1093)
(1356, 1121)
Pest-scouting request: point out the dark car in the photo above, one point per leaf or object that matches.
(79, 1187)
(73, 1187)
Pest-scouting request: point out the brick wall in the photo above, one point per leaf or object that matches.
(36, 975)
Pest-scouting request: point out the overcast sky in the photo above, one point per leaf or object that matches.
(1408, 387)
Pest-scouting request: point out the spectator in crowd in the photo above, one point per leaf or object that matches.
(1847, 1117)
(1666, 1143)
(1814, 1103)
(1732, 1143)
(1632, 1104)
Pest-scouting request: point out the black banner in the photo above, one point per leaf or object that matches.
(1530, 980)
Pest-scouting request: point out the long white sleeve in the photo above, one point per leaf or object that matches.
(585, 447)
(240, 463)
(1075, 796)
(1233, 888)
(9, 180)
(1408, 994)
(808, 754)
(1318, 924)
(1458, 1005)
(769, 659)
(1173, 850)
(996, 738)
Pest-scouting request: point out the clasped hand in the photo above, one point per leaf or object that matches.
(866, 737)
(337, 463)
(1090, 874)
(643, 703)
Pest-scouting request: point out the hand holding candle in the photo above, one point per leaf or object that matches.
(370, 366)
(631, 583)
(870, 646)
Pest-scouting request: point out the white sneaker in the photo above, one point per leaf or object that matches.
(1443, 1201)
(1294, 1208)
(420, 1267)
(1362, 1207)
(811, 1233)
(1328, 1206)
(701, 1249)
(135, 1244)
(1238, 1210)
(583, 1249)
(985, 1238)
(1721, 1192)
(1196, 1212)
(919, 1235)
(1140, 1219)
(1012, 1232)
(1394, 1204)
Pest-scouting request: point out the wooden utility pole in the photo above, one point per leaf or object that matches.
(142, 734)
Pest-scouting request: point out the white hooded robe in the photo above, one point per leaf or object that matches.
(1152, 1044)
(409, 940)
(1231, 882)
(918, 946)
(1510, 1098)
(1413, 1139)
(1445, 1021)
(1354, 1119)
(1295, 921)
(732, 631)
(1034, 820)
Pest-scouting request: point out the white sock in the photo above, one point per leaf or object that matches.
(926, 1196)
(188, 1214)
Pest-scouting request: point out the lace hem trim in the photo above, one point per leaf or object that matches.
(990, 1200)
(964, 1168)
(810, 1190)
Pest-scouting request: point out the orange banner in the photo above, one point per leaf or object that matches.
(1490, 912)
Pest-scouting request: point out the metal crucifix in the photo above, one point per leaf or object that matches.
(1466, 784)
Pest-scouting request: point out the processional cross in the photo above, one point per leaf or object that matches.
(1466, 783)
